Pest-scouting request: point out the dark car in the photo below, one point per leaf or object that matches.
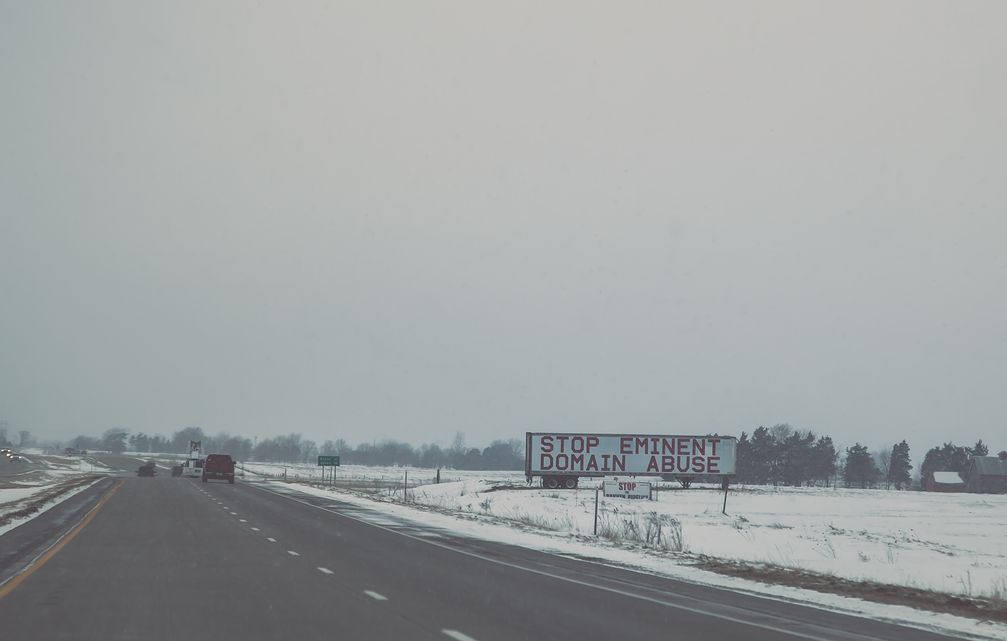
(218, 466)
(147, 469)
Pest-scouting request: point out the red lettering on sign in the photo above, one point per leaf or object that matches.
(698, 464)
(562, 438)
(682, 463)
(699, 446)
(547, 444)
(713, 465)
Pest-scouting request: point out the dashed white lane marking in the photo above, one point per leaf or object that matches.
(243, 520)
(292, 553)
(271, 539)
(375, 595)
(255, 529)
(234, 514)
(325, 570)
(458, 636)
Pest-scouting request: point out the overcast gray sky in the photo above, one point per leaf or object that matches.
(403, 219)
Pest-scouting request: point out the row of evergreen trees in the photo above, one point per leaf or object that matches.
(781, 455)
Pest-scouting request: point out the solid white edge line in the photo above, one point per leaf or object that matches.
(325, 570)
(243, 520)
(604, 588)
(458, 636)
(377, 597)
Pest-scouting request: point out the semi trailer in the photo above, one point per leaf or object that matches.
(560, 459)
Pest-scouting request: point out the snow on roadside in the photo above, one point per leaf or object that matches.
(6, 493)
(46, 472)
(470, 498)
(386, 473)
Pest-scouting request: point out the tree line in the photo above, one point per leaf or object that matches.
(294, 448)
(781, 455)
(778, 455)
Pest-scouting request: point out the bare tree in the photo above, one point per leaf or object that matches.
(883, 459)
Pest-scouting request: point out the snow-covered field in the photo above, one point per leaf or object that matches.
(953, 543)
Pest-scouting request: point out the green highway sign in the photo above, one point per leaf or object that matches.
(332, 461)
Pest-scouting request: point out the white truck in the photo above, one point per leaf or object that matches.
(560, 459)
(193, 464)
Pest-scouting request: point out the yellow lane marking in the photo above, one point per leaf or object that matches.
(42, 559)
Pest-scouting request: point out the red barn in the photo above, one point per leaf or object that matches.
(944, 482)
(988, 474)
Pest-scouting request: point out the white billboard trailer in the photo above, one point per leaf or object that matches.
(626, 488)
(560, 458)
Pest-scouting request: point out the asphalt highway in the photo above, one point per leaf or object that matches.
(173, 558)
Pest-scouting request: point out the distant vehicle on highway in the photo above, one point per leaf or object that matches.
(16, 458)
(193, 467)
(219, 466)
(6, 451)
(147, 469)
(176, 470)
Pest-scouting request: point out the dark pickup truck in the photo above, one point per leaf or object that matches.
(147, 469)
(219, 466)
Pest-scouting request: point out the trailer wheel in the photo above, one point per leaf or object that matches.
(550, 482)
(570, 482)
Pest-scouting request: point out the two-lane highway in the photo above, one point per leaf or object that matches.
(166, 557)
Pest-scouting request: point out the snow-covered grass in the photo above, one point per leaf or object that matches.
(46, 481)
(381, 474)
(952, 543)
